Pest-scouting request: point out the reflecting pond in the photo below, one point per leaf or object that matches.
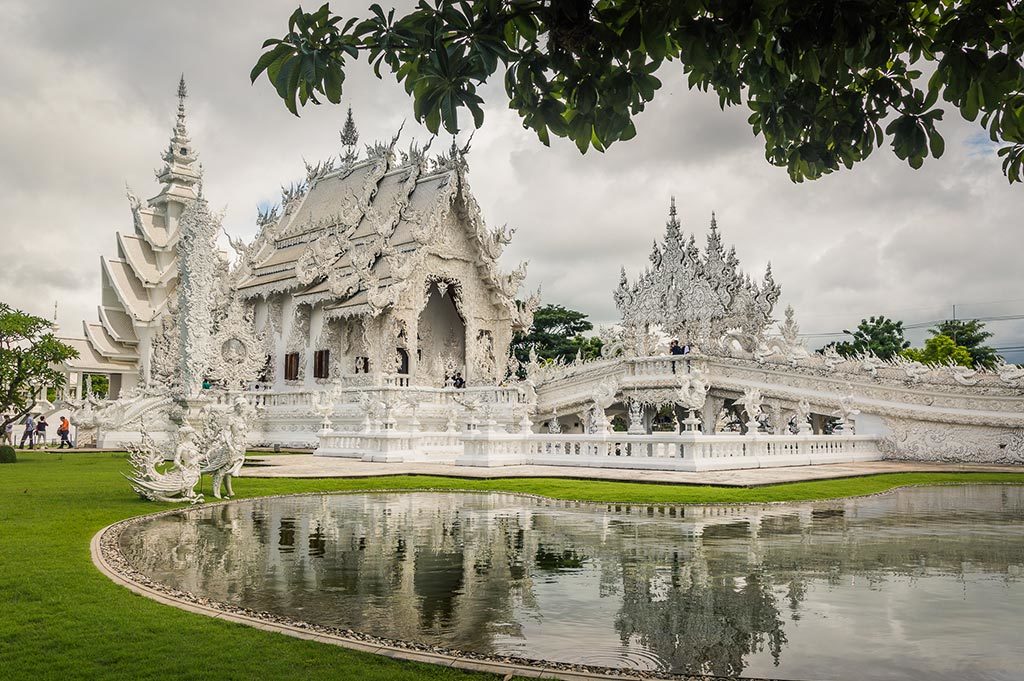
(924, 582)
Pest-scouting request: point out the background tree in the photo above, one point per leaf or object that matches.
(879, 335)
(940, 349)
(970, 334)
(29, 354)
(96, 384)
(557, 333)
(820, 77)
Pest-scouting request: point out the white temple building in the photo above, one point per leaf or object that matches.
(370, 318)
(140, 279)
(382, 267)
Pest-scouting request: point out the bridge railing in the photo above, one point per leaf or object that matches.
(664, 451)
(490, 447)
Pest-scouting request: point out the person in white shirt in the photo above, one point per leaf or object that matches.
(30, 433)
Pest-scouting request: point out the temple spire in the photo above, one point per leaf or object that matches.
(179, 174)
(672, 227)
(179, 129)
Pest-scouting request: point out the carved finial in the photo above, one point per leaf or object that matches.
(349, 134)
(672, 207)
(182, 94)
(714, 221)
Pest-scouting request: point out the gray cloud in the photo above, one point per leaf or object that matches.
(91, 101)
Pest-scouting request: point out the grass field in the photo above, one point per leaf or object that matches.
(61, 619)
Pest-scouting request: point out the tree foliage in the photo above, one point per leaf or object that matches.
(97, 385)
(29, 354)
(826, 81)
(970, 334)
(938, 350)
(879, 335)
(557, 333)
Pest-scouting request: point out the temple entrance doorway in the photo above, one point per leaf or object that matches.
(442, 335)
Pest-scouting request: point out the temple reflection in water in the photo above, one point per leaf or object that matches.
(721, 590)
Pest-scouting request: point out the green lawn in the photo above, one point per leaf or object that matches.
(60, 618)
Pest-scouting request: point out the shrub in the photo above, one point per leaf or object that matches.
(7, 454)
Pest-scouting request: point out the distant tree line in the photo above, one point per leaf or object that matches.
(954, 341)
(557, 333)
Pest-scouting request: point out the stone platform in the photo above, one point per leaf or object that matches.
(308, 466)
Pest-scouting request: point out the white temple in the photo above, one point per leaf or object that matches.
(382, 267)
(370, 319)
(140, 280)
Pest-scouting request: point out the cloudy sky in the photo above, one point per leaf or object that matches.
(89, 100)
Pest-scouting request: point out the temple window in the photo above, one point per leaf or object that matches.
(291, 366)
(362, 365)
(321, 364)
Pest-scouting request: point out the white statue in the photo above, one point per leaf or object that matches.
(752, 401)
(226, 453)
(175, 483)
(845, 413)
(803, 415)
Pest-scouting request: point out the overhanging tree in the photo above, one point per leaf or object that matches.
(29, 353)
(826, 81)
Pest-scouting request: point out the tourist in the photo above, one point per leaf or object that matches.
(458, 382)
(8, 434)
(686, 349)
(29, 433)
(41, 431)
(674, 348)
(206, 384)
(64, 430)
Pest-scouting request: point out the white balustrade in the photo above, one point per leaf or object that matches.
(665, 451)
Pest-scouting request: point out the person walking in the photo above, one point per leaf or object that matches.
(29, 434)
(8, 434)
(41, 425)
(64, 430)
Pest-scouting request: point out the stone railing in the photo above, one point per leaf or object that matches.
(397, 384)
(668, 451)
(490, 447)
(391, 445)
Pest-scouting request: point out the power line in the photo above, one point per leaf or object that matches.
(922, 325)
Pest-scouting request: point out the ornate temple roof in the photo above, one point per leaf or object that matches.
(142, 276)
(353, 230)
(89, 360)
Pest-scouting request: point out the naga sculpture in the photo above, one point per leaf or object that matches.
(153, 479)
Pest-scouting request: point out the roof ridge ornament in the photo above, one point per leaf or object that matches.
(696, 296)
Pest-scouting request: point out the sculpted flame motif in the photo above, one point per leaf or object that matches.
(695, 296)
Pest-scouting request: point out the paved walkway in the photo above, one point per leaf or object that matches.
(308, 466)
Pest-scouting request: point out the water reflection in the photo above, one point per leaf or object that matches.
(921, 582)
